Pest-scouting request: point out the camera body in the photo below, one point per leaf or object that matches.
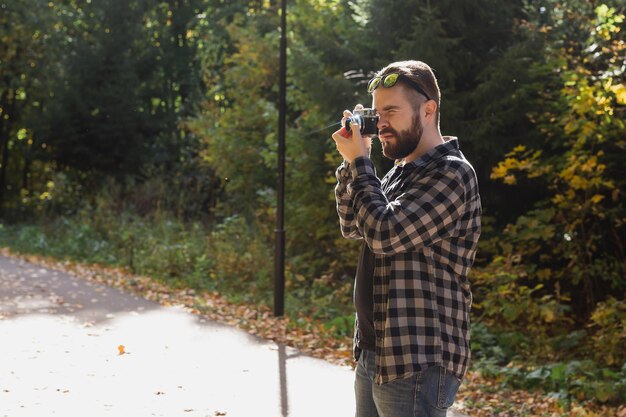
(367, 120)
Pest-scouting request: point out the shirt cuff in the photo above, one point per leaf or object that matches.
(343, 178)
(343, 170)
(362, 166)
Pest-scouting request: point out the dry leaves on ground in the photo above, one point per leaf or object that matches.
(478, 396)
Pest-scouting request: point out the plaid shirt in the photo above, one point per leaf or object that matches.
(422, 222)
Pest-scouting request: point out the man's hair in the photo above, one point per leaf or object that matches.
(421, 74)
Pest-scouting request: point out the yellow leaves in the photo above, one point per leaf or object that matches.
(620, 93)
(502, 169)
(121, 349)
(522, 160)
(608, 21)
(558, 199)
(584, 173)
(597, 198)
(578, 183)
(588, 128)
(570, 126)
(547, 314)
(510, 180)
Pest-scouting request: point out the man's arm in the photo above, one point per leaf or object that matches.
(344, 203)
(427, 211)
(349, 145)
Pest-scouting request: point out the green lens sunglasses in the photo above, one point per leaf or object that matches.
(390, 80)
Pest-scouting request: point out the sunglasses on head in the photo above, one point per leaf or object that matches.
(390, 80)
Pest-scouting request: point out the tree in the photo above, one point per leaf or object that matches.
(28, 33)
(103, 117)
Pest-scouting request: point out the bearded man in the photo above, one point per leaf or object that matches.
(420, 226)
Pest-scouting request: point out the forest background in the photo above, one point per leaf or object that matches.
(143, 134)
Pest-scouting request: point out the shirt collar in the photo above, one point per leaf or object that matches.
(450, 144)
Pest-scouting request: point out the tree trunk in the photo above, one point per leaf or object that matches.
(26, 172)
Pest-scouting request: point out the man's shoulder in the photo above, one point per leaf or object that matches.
(452, 161)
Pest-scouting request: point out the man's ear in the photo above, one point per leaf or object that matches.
(430, 109)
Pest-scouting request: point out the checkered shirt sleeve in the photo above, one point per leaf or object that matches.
(425, 212)
(347, 221)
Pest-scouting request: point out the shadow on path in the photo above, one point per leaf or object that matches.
(60, 355)
(30, 289)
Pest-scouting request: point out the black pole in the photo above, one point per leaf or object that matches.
(279, 255)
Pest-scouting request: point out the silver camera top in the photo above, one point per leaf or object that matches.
(365, 112)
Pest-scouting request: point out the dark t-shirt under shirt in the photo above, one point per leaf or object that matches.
(364, 299)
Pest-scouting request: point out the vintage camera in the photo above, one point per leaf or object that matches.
(367, 120)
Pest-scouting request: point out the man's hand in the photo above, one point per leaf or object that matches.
(352, 147)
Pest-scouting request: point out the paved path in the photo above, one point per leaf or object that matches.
(59, 356)
(60, 339)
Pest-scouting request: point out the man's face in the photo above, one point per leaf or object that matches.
(400, 128)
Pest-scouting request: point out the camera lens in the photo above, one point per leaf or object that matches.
(356, 118)
(367, 120)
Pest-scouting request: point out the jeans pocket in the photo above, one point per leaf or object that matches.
(448, 387)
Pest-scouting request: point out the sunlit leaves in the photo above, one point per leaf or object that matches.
(519, 161)
(620, 93)
(608, 21)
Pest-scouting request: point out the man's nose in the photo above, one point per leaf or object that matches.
(382, 122)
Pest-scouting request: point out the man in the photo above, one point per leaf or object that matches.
(420, 226)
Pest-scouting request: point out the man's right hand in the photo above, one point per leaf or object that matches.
(352, 146)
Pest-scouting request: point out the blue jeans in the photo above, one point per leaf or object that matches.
(427, 394)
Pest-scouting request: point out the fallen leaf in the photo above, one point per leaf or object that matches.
(121, 349)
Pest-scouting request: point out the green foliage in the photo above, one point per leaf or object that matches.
(243, 261)
(238, 136)
(111, 62)
(30, 39)
(579, 380)
(566, 254)
(608, 322)
(496, 356)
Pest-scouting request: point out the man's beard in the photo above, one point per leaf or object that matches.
(405, 142)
